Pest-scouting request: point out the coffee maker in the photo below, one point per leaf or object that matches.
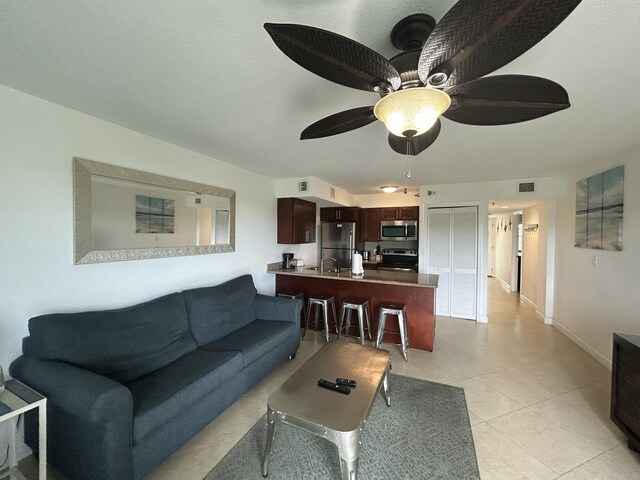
(287, 261)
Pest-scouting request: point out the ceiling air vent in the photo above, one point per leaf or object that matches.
(302, 186)
(332, 192)
(526, 187)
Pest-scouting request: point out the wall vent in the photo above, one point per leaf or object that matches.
(303, 186)
(526, 187)
(332, 192)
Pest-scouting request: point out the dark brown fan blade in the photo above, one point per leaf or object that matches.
(335, 57)
(417, 144)
(505, 99)
(339, 123)
(477, 37)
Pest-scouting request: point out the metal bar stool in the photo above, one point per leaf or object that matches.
(399, 310)
(315, 304)
(294, 296)
(361, 305)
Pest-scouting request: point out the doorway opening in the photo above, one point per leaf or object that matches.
(512, 256)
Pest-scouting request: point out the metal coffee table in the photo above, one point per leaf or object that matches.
(337, 417)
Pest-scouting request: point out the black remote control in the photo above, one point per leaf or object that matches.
(346, 382)
(333, 386)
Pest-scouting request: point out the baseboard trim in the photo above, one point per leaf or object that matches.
(582, 344)
(504, 284)
(528, 302)
(484, 319)
(543, 319)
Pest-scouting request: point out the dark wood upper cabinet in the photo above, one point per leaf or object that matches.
(296, 221)
(341, 214)
(408, 213)
(400, 213)
(371, 218)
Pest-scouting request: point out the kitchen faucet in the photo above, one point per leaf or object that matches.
(337, 269)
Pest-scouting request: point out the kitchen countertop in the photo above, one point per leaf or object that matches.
(411, 279)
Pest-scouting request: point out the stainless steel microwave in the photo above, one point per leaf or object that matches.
(399, 230)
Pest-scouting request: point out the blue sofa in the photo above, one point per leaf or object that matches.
(127, 387)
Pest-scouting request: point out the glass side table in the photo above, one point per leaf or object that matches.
(17, 398)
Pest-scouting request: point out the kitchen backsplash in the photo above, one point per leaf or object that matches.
(412, 245)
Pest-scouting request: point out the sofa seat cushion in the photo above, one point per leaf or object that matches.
(161, 395)
(255, 340)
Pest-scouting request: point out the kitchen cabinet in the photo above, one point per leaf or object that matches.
(296, 221)
(341, 214)
(400, 213)
(371, 218)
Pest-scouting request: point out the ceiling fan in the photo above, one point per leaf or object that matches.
(438, 71)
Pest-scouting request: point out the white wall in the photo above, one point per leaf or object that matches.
(530, 255)
(317, 191)
(505, 248)
(38, 140)
(480, 193)
(597, 292)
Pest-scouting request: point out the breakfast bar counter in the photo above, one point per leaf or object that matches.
(416, 291)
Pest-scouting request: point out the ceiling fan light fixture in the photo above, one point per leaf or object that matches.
(411, 112)
(389, 188)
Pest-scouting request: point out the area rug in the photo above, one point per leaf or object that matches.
(425, 434)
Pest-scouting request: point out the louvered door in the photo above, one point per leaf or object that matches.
(452, 235)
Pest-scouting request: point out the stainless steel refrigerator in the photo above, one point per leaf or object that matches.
(338, 241)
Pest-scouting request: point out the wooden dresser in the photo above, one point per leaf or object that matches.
(625, 387)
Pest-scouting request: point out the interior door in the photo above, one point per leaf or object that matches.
(439, 255)
(452, 236)
(464, 262)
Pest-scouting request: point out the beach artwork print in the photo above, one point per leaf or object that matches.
(599, 206)
(154, 215)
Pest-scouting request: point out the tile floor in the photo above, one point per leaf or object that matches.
(539, 405)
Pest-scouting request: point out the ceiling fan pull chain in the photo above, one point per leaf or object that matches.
(407, 174)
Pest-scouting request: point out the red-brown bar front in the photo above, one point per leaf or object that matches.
(419, 301)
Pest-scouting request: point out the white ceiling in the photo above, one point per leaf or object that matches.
(205, 75)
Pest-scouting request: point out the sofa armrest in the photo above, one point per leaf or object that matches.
(89, 417)
(277, 308)
(85, 394)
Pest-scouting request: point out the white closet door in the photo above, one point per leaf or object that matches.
(452, 253)
(464, 261)
(439, 255)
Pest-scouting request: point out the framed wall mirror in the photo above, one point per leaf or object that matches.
(125, 214)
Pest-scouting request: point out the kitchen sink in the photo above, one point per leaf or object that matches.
(312, 268)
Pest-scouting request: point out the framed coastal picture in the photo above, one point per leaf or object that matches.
(154, 215)
(599, 208)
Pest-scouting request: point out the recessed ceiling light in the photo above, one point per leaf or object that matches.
(505, 206)
(389, 188)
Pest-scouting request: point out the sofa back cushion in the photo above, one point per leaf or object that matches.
(121, 344)
(215, 312)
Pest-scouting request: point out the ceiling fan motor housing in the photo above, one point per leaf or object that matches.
(411, 32)
(409, 35)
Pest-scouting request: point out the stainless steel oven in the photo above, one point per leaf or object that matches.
(399, 230)
(401, 260)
